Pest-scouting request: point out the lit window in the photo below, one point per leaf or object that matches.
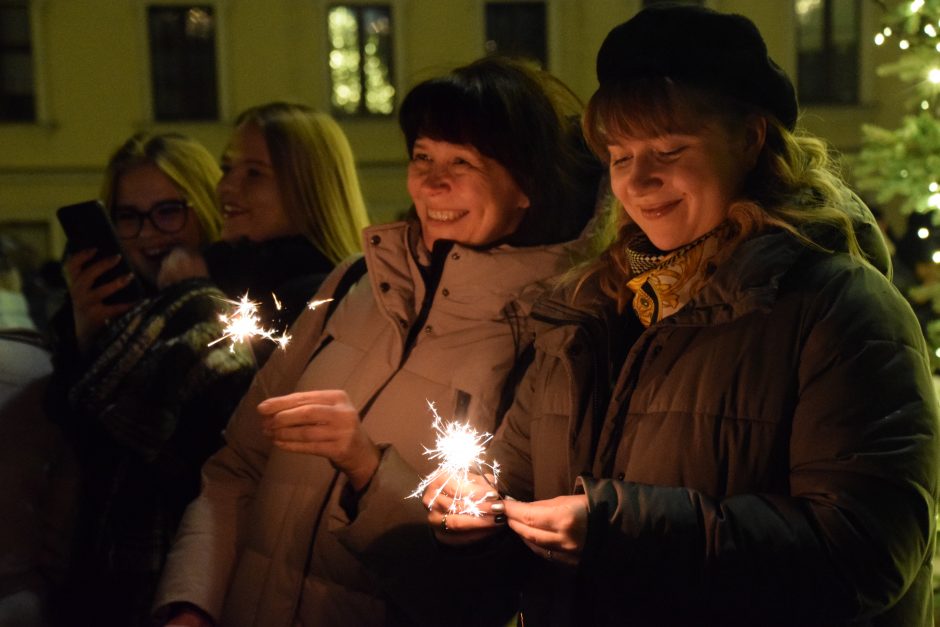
(182, 62)
(828, 51)
(361, 59)
(17, 89)
(517, 29)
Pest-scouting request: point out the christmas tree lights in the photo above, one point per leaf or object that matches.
(901, 166)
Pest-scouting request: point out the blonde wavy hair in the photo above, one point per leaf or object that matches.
(184, 161)
(316, 175)
(795, 184)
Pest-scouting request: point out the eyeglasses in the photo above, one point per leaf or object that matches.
(167, 217)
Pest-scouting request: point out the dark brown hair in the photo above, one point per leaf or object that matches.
(525, 119)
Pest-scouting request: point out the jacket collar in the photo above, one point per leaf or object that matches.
(748, 280)
(478, 282)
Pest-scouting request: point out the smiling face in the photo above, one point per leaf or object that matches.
(251, 200)
(139, 189)
(679, 186)
(462, 195)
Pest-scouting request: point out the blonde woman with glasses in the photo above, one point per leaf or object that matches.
(292, 209)
(136, 386)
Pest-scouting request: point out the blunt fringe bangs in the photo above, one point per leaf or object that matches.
(523, 118)
(500, 107)
(651, 107)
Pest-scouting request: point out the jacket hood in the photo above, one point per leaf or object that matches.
(870, 237)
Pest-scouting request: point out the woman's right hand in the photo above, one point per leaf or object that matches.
(90, 312)
(456, 529)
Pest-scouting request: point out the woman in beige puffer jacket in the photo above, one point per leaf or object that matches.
(502, 187)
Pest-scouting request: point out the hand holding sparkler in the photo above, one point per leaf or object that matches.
(555, 529)
(324, 423)
(457, 529)
(459, 487)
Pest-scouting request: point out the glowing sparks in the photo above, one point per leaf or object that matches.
(459, 450)
(243, 324)
(316, 303)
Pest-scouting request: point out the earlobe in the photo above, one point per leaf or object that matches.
(524, 202)
(755, 134)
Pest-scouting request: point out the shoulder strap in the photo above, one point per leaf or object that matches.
(353, 273)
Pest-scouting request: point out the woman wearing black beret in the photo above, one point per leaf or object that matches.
(730, 419)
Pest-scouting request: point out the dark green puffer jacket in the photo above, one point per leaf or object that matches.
(765, 456)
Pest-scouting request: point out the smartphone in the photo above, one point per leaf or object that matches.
(87, 226)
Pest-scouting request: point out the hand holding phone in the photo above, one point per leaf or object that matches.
(87, 227)
(101, 283)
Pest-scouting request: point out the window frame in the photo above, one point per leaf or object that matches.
(396, 64)
(223, 102)
(547, 5)
(828, 52)
(36, 10)
(555, 45)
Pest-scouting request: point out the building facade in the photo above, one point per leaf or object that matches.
(80, 76)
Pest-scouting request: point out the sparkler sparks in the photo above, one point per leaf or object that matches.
(243, 324)
(313, 304)
(459, 447)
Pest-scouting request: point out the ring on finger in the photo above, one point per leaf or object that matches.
(444, 528)
(549, 556)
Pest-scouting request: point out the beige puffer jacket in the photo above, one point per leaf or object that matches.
(258, 546)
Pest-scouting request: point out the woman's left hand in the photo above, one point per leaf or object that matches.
(555, 529)
(181, 264)
(324, 423)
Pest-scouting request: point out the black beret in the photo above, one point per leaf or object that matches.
(699, 47)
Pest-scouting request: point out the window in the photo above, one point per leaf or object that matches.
(828, 51)
(17, 88)
(517, 29)
(360, 39)
(182, 62)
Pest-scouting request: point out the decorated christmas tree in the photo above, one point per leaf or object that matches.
(900, 167)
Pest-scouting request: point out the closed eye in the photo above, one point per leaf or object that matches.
(670, 154)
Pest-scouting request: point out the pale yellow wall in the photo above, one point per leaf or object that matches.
(93, 82)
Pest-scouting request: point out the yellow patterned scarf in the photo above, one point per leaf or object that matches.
(667, 281)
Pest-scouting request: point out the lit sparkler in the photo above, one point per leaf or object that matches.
(459, 447)
(243, 323)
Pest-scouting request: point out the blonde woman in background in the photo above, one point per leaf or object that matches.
(502, 188)
(292, 210)
(136, 387)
